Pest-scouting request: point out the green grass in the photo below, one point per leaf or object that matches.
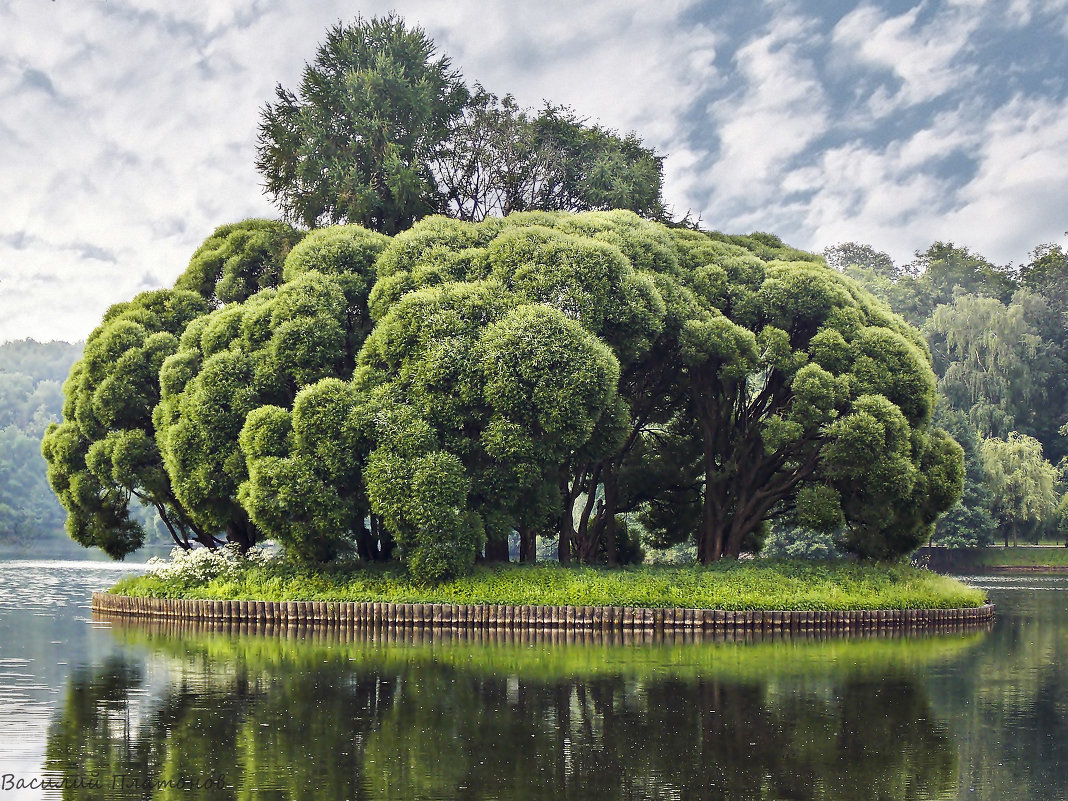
(958, 560)
(1025, 556)
(727, 585)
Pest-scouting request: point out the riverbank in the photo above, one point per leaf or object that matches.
(728, 586)
(995, 559)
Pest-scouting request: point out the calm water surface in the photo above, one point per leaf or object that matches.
(132, 712)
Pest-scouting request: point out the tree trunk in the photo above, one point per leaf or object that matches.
(567, 525)
(386, 543)
(710, 539)
(528, 545)
(241, 533)
(365, 544)
(182, 540)
(608, 526)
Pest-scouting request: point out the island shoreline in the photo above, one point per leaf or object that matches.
(368, 614)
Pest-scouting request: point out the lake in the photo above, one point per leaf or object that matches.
(104, 711)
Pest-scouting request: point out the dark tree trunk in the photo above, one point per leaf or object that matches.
(567, 525)
(608, 517)
(710, 540)
(386, 543)
(563, 547)
(241, 533)
(585, 542)
(182, 539)
(528, 545)
(365, 544)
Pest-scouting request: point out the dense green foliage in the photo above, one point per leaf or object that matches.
(590, 378)
(30, 398)
(104, 458)
(238, 260)
(382, 132)
(763, 584)
(999, 341)
(103, 454)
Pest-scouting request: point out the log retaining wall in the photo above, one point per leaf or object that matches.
(366, 615)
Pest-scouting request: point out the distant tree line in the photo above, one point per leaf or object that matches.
(998, 336)
(31, 374)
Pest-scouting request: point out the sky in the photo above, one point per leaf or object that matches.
(128, 127)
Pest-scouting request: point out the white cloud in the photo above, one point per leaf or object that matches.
(777, 113)
(923, 56)
(129, 127)
(895, 199)
(149, 143)
(1017, 198)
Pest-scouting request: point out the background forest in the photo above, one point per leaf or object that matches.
(31, 397)
(999, 343)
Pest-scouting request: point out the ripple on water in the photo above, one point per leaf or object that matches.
(42, 587)
(1027, 581)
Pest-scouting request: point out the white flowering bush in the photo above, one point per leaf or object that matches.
(201, 565)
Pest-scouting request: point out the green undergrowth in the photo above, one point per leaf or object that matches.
(762, 584)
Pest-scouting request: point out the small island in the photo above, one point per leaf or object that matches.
(403, 406)
(772, 596)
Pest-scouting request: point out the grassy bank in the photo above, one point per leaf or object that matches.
(965, 559)
(729, 585)
(1025, 556)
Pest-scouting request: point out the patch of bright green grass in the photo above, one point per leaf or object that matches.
(1025, 556)
(757, 584)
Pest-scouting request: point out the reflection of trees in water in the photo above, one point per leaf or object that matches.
(1007, 701)
(473, 737)
(332, 728)
(299, 732)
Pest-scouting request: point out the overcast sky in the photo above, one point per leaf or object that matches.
(127, 127)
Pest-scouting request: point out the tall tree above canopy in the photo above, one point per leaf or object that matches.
(501, 158)
(355, 142)
(382, 132)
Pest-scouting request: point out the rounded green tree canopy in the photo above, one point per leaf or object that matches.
(590, 378)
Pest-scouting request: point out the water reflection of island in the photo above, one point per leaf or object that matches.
(845, 720)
